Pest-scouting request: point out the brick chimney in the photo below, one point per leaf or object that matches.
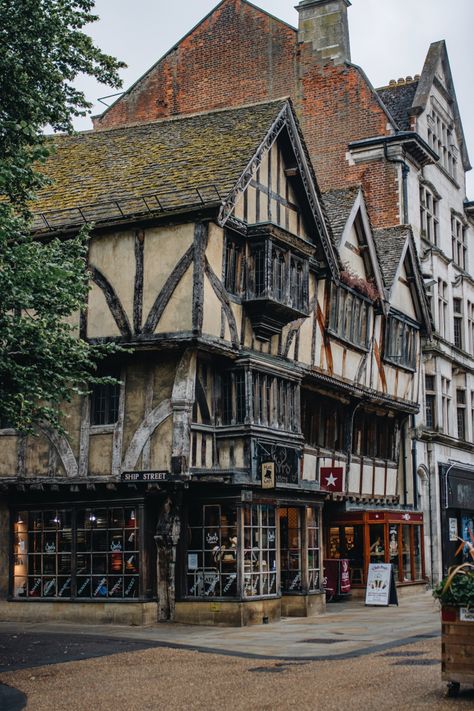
(323, 24)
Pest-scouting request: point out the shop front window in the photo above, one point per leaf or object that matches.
(377, 545)
(406, 553)
(393, 549)
(105, 562)
(290, 549)
(314, 549)
(417, 555)
(212, 551)
(259, 550)
(348, 542)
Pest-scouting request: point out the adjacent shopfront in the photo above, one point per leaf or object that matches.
(364, 537)
(457, 512)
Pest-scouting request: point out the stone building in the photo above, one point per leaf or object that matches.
(403, 144)
(271, 367)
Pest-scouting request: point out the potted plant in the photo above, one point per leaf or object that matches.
(456, 595)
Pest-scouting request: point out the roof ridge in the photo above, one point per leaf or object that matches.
(169, 119)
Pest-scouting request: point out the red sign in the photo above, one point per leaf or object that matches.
(331, 478)
(336, 577)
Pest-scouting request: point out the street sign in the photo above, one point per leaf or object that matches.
(381, 588)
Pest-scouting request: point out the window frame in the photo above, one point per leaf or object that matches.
(350, 327)
(402, 331)
(51, 536)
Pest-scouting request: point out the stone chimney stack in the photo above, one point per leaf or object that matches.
(323, 24)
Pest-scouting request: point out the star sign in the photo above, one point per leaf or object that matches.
(331, 480)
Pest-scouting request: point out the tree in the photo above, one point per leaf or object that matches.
(42, 283)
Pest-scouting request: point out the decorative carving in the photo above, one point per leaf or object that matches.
(167, 535)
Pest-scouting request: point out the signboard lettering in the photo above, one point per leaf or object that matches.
(381, 588)
(466, 615)
(146, 476)
(453, 529)
(268, 475)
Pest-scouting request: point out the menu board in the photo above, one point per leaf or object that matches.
(381, 588)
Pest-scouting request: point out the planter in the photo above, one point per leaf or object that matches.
(456, 595)
(457, 647)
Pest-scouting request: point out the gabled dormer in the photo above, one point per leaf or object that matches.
(359, 287)
(408, 315)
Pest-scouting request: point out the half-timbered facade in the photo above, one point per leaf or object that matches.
(269, 372)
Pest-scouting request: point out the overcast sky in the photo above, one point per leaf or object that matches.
(389, 39)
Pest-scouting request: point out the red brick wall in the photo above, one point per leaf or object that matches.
(336, 106)
(239, 55)
(236, 56)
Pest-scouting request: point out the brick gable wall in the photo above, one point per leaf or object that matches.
(237, 55)
(240, 55)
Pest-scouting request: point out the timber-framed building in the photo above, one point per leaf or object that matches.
(270, 371)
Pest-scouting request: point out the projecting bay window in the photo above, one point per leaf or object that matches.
(276, 286)
(86, 553)
(401, 341)
(274, 401)
(233, 398)
(349, 316)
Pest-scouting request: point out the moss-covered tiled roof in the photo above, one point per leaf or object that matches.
(390, 243)
(180, 160)
(339, 204)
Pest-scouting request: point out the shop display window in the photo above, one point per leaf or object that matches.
(212, 551)
(290, 549)
(314, 549)
(68, 553)
(379, 537)
(260, 574)
(377, 544)
(348, 542)
(393, 549)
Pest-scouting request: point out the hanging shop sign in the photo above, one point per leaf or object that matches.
(331, 478)
(146, 476)
(268, 475)
(381, 588)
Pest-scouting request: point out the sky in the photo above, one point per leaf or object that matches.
(389, 39)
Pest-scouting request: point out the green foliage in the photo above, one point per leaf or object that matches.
(43, 284)
(457, 588)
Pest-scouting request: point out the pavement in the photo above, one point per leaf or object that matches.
(348, 629)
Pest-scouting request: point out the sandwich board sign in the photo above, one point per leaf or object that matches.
(381, 588)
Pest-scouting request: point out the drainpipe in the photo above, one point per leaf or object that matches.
(429, 452)
(414, 463)
(404, 431)
(405, 171)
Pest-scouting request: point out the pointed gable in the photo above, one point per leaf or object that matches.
(402, 275)
(352, 233)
